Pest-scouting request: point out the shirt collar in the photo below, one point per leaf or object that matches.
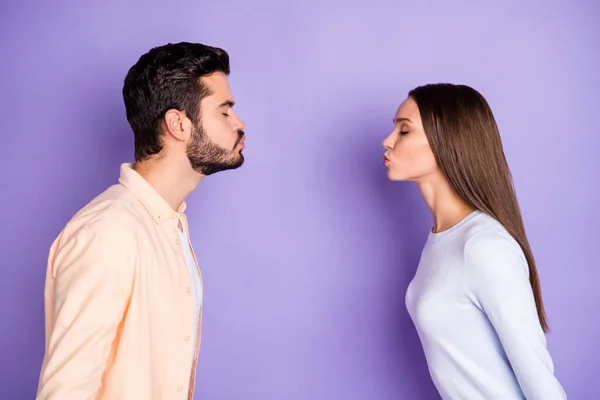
(152, 201)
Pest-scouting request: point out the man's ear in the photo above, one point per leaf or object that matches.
(177, 124)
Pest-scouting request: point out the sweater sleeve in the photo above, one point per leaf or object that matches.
(497, 281)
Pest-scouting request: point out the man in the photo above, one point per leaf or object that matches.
(123, 293)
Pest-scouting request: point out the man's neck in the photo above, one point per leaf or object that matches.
(173, 180)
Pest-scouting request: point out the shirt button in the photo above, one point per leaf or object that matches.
(187, 338)
(178, 241)
(188, 289)
(180, 388)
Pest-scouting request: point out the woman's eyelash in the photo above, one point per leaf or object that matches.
(403, 132)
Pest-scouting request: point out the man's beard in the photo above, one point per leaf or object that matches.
(207, 157)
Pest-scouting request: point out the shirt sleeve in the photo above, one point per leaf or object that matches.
(92, 274)
(497, 280)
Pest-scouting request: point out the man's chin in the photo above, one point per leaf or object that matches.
(240, 160)
(212, 168)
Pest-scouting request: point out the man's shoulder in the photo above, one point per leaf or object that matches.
(113, 211)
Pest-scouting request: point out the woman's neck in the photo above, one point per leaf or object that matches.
(446, 206)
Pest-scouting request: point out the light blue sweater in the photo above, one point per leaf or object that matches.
(473, 307)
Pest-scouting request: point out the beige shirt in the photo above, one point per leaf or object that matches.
(119, 301)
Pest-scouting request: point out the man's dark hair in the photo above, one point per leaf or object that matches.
(167, 77)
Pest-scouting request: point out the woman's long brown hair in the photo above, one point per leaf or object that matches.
(465, 140)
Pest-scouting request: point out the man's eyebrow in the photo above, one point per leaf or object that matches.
(227, 103)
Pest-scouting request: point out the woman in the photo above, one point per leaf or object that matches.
(475, 298)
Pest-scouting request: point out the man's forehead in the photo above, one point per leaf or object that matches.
(217, 83)
(218, 94)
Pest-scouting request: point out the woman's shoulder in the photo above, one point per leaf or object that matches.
(487, 242)
(484, 234)
(483, 225)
